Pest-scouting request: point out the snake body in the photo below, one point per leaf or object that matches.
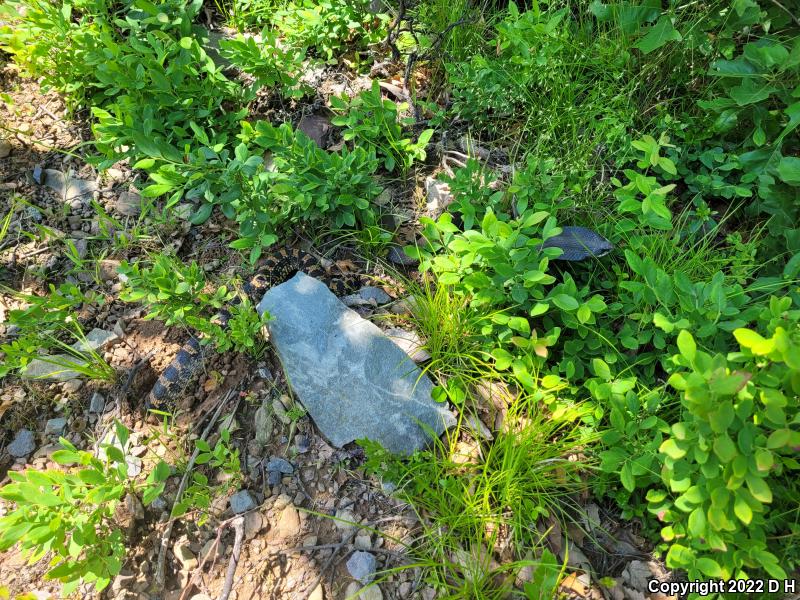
(277, 267)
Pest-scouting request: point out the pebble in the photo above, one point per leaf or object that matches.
(55, 427)
(274, 478)
(24, 443)
(97, 404)
(184, 555)
(362, 566)
(356, 592)
(288, 523)
(242, 501)
(5, 148)
(302, 443)
(253, 524)
(344, 521)
(72, 386)
(318, 593)
(309, 541)
(279, 464)
(129, 204)
(363, 542)
(370, 293)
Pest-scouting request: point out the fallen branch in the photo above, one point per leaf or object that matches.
(238, 526)
(162, 551)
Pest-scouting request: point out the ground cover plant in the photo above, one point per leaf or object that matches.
(659, 380)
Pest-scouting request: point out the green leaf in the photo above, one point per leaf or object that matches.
(601, 369)
(709, 567)
(658, 35)
(565, 302)
(751, 92)
(91, 476)
(626, 477)
(753, 341)
(789, 170)
(759, 488)
(742, 510)
(697, 522)
(186, 42)
(686, 345)
(157, 189)
(725, 449)
(145, 163)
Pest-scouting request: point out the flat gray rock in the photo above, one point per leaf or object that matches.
(242, 501)
(24, 443)
(362, 566)
(353, 380)
(56, 367)
(69, 188)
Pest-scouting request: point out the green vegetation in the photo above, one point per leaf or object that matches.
(662, 378)
(70, 515)
(175, 293)
(49, 331)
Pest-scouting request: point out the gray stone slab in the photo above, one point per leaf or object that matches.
(353, 380)
(24, 443)
(56, 367)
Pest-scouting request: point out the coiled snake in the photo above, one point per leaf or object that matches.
(277, 267)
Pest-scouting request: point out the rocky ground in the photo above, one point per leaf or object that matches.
(313, 525)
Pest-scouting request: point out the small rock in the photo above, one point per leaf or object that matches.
(134, 466)
(373, 293)
(24, 443)
(134, 507)
(383, 198)
(279, 464)
(253, 523)
(33, 213)
(288, 523)
(97, 404)
(318, 593)
(184, 555)
(129, 204)
(212, 551)
(81, 247)
(263, 425)
(356, 592)
(107, 269)
(309, 541)
(158, 504)
(55, 427)
(274, 478)
(184, 211)
(69, 188)
(302, 444)
(38, 175)
(345, 521)
(362, 566)
(72, 386)
(317, 127)
(242, 501)
(114, 174)
(363, 542)
(410, 343)
(5, 148)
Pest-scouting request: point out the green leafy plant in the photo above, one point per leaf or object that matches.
(728, 463)
(176, 293)
(372, 121)
(329, 26)
(200, 493)
(488, 501)
(71, 514)
(49, 331)
(270, 64)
